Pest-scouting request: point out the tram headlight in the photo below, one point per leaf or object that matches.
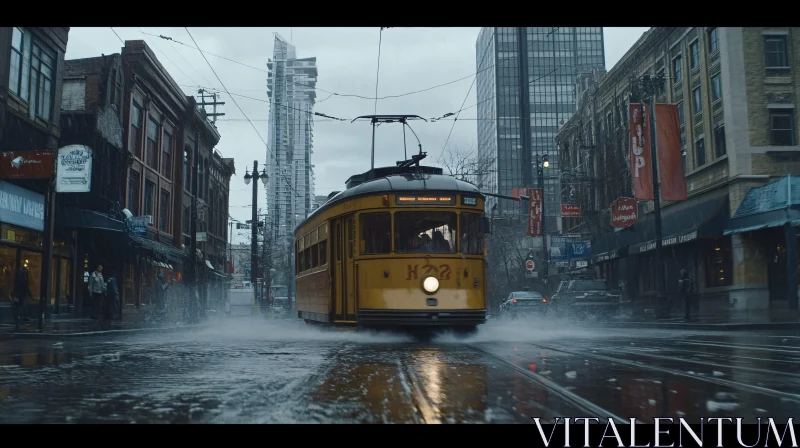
(430, 285)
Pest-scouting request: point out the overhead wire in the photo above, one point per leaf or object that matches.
(269, 150)
(480, 63)
(115, 33)
(378, 70)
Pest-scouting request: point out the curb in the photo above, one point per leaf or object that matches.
(36, 335)
(705, 327)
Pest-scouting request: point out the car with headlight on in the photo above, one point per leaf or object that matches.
(582, 298)
(524, 303)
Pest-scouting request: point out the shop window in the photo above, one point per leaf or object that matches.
(33, 261)
(376, 231)
(719, 264)
(8, 269)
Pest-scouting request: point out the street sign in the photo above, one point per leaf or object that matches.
(529, 265)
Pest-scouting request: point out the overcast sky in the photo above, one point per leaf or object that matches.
(411, 59)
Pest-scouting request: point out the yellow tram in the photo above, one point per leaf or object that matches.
(400, 247)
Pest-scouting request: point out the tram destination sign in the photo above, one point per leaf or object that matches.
(428, 199)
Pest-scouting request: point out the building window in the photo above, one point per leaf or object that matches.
(776, 54)
(713, 40)
(700, 152)
(149, 191)
(17, 74)
(681, 116)
(133, 192)
(697, 101)
(32, 73)
(163, 215)
(186, 170)
(677, 69)
(166, 156)
(694, 55)
(151, 152)
(781, 127)
(683, 151)
(661, 87)
(719, 264)
(135, 143)
(719, 141)
(716, 87)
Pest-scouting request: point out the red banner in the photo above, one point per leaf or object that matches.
(672, 180)
(641, 170)
(624, 213)
(517, 192)
(570, 210)
(535, 216)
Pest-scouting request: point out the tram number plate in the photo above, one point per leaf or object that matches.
(442, 271)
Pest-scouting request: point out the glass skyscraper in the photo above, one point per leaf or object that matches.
(548, 60)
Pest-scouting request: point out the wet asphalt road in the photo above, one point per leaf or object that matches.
(245, 371)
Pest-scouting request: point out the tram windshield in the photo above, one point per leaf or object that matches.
(425, 232)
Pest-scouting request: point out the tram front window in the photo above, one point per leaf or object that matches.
(471, 234)
(425, 232)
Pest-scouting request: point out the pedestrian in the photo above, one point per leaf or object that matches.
(112, 297)
(22, 290)
(686, 288)
(161, 294)
(97, 289)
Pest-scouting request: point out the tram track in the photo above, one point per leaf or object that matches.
(670, 371)
(589, 407)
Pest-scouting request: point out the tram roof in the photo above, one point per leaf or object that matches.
(407, 182)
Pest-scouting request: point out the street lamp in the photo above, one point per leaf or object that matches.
(540, 165)
(254, 225)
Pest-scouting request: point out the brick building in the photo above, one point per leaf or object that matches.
(91, 115)
(161, 122)
(31, 64)
(742, 80)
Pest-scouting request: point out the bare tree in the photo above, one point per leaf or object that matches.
(467, 165)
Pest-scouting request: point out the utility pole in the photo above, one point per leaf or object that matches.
(214, 103)
(649, 89)
(254, 225)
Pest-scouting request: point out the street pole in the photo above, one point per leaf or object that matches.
(254, 236)
(47, 263)
(650, 90)
(193, 297)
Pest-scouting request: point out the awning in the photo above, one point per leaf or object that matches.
(699, 217)
(703, 216)
(158, 247)
(772, 205)
(73, 218)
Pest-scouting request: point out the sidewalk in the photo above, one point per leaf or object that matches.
(786, 320)
(60, 328)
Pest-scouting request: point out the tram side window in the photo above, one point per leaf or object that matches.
(323, 252)
(307, 259)
(376, 231)
(315, 255)
(301, 262)
(471, 234)
(430, 232)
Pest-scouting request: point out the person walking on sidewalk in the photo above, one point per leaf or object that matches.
(112, 298)
(686, 288)
(97, 289)
(22, 290)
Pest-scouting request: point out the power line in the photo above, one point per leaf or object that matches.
(167, 57)
(480, 63)
(348, 95)
(271, 152)
(377, 72)
(115, 33)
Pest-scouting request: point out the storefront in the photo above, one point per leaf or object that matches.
(21, 247)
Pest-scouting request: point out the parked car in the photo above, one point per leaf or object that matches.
(584, 297)
(524, 303)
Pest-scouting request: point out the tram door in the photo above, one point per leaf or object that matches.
(343, 299)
